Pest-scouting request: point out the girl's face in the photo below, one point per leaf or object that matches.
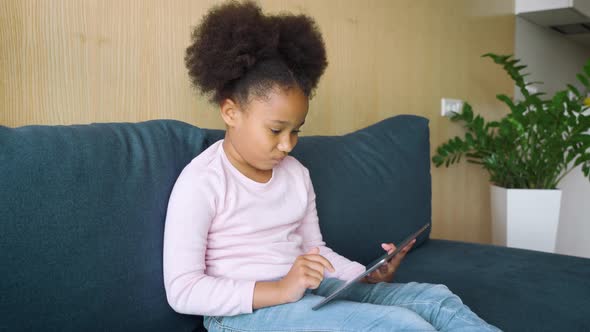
(261, 135)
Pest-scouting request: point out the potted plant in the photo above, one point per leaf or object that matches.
(527, 153)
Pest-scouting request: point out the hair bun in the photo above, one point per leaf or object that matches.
(234, 37)
(301, 46)
(230, 39)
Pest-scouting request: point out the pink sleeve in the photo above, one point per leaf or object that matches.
(188, 289)
(312, 237)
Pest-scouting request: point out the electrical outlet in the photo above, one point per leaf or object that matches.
(449, 106)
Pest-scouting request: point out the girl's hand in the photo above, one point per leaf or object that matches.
(386, 271)
(306, 272)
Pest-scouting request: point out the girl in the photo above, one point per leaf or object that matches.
(242, 243)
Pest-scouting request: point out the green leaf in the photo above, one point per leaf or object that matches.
(581, 138)
(574, 90)
(469, 139)
(581, 159)
(586, 169)
(442, 150)
(570, 156)
(500, 59)
(437, 160)
(467, 112)
(516, 124)
(490, 55)
(456, 117)
(506, 100)
(505, 128)
(538, 94)
(478, 125)
(571, 121)
(493, 124)
(473, 161)
(582, 79)
(558, 100)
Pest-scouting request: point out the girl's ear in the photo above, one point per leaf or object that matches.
(230, 112)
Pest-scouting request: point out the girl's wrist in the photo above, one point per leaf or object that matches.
(283, 293)
(280, 293)
(268, 293)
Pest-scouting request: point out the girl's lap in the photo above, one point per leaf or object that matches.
(338, 315)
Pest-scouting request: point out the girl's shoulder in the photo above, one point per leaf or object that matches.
(292, 162)
(294, 166)
(205, 168)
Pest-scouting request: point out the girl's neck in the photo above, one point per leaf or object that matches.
(261, 176)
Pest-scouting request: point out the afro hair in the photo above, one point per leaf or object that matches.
(238, 52)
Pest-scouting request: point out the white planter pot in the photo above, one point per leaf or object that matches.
(525, 218)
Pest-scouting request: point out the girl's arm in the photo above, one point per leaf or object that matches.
(266, 294)
(189, 290)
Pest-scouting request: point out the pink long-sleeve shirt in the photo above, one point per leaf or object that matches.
(225, 231)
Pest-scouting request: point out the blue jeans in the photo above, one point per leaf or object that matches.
(364, 307)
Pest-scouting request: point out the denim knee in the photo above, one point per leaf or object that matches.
(446, 296)
(441, 290)
(436, 295)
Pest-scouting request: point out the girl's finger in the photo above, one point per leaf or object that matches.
(411, 244)
(315, 266)
(375, 275)
(313, 251)
(315, 275)
(313, 281)
(390, 247)
(322, 260)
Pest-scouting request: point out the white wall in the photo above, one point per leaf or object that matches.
(555, 60)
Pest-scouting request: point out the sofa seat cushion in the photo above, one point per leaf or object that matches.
(514, 289)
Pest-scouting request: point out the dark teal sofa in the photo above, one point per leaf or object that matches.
(83, 207)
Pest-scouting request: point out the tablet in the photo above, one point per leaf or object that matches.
(371, 267)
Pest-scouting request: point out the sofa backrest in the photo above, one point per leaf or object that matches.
(82, 212)
(83, 207)
(373, 185)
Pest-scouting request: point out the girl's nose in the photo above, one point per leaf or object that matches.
(286, 145)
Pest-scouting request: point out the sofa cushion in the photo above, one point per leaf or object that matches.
(372, 185)
(82, 210)
(514, 289)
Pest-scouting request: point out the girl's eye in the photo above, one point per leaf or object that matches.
(278, 131)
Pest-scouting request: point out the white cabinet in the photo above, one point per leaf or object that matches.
(571, 18)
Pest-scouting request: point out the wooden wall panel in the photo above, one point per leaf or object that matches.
(83, 61)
